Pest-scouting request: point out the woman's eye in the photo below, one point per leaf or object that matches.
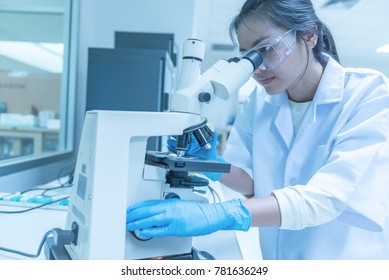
(264, 49)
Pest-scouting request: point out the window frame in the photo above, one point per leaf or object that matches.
(67, 100)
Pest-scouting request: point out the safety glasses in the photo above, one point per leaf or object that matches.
(274, 54)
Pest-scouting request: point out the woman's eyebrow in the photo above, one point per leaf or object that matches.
(255, 43)
(258, 41)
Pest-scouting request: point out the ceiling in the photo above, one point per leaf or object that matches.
(359, 27)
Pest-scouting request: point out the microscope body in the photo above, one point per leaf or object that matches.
(111, 174)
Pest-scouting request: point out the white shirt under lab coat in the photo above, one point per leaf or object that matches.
(331, 179)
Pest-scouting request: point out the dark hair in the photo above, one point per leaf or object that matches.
(298, 15)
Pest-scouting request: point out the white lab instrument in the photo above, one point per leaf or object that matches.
(111, 173)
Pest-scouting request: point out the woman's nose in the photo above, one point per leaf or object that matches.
(260, 68)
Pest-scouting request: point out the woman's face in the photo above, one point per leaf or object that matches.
(283, 70)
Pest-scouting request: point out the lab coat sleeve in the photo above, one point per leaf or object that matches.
(353, 185)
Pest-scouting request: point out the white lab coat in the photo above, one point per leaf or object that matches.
(331, 180)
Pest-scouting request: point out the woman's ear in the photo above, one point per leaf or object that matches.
(310, 40)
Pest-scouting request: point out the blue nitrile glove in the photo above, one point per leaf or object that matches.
(156, 218)
(195, 150)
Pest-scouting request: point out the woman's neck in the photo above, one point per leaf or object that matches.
(305, 88)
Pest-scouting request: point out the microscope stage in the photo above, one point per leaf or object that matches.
(173, 162)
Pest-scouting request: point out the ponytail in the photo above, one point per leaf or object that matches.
(328, 43)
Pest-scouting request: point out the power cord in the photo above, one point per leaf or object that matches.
(214, 194)
(68, 183)
(66, 168)
(60, 236)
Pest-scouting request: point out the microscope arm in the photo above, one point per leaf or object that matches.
(221, 80)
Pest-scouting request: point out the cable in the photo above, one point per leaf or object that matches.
(68, 183)
(214, 193)
(201, 255)
(71, 172)
(64, 185)
(62, 237)
(28, 254)
(33, 208)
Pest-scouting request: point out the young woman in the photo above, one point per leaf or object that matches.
(310, 148)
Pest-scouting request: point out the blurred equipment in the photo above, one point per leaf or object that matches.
(137, 75)
(141, 40)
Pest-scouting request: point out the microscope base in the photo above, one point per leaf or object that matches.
(55, 252)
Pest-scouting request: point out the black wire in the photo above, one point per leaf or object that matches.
(68, 183)
(28, 254)
(71, 172)
(214, 193)
(42, 189)
(33, 208)
(64, 185)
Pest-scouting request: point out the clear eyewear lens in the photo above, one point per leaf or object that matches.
(275, 54)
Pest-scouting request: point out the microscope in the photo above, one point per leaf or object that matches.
(114, 170)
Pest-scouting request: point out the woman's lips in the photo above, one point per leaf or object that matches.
(266, 81)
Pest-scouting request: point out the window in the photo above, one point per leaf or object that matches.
(36, 81)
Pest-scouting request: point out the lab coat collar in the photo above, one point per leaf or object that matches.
(329, 90)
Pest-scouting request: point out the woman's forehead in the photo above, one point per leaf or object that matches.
(253, 31)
